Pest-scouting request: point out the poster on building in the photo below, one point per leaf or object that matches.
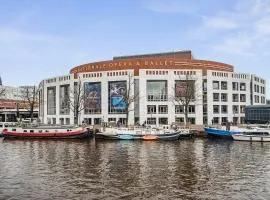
(185, 88)
(92, 93)
(117, 91)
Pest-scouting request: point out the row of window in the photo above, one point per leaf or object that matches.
(223, 85)
(185, 73)
(51, 80)
(117, 73)
(224, 109)
(221, 74)
(64, 78)
(152, 72)
(259, 89)
(259, 80)
(257, 99)
(222, 120)
(90, 75)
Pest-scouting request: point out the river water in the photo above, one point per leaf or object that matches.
(89, 169)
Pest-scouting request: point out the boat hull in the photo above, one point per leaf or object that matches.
(169, 136)
(55, 135)
(219, 132)
(251, 138)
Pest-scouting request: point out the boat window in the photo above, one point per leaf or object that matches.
(67, 130)
(14, 129)
(31, 131)
(24, 131)
(46, 131)
(1, 125)
(40, 131)
(6, 125)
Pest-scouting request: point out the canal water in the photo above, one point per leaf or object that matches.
(89, 169)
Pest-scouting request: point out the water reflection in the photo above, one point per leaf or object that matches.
(89, 169)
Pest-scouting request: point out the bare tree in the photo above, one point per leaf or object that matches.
(76, 100)
(185, 93)
(29, 95)
(2, 92)
(129, 96)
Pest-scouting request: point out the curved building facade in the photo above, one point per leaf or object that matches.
(152, 81)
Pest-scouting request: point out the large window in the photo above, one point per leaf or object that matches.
(235, 86)
(191, 109)
(243, 86)
(215, 96)
(224, 85)
(224, 97)
(51, 100)
(64, 100)
(163, 121)
(179, 109)
(224, 109)
(151, 121)
(157, 91)
(242, 98)
(163, 109)
(92, 101)
(215, 109)
(215, 85)
(117, 92)
(151, 109)
(185, 89)
(235, 109)
(235, 98)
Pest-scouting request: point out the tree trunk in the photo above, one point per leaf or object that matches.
(186, 114)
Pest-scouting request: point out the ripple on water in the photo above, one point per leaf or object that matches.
(187, 169)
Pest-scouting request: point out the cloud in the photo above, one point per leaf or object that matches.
(242, 31)
(170, 6)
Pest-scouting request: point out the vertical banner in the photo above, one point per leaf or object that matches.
(117, 90)
(92, 92)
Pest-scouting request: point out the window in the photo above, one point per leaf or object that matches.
(191, 109)
(224, 109)
(235, 109)
(224, 120)
(235, 98)
(215, 85)
(243, 86)
(242, 98)
(179, 109)
(163, 109)
(163, 121)
(179, 120)
(215, 96)
(235, 86)
(215, 120)
(157, 91)
(67, 121)
(224, 97)
(64, 103)
(215, 109)
(224, 85)
(242, 109)
(151, 121)
(191, 120)
(151, 109)
(51, 100)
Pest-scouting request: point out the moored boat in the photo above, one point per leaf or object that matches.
(259, 135)
(142, 134)
(47, 133)
(219, 132)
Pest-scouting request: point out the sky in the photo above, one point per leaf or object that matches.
(40, 39)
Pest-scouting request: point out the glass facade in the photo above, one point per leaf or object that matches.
(51, 100)
(257, 114)
(64, 100)
(157, 91)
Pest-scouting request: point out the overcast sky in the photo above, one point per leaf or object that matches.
(44, 38)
